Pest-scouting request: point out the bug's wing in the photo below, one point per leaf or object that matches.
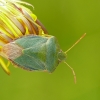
(33, 53)
(32, 59)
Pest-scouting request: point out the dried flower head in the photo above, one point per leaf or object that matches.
(16, 20)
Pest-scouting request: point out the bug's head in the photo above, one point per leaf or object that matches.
(61, 56)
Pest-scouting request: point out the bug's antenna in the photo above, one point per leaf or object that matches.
(72, 71)
(76, 42)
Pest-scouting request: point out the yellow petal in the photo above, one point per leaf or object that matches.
(4, 66)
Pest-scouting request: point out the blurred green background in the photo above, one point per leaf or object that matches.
(67, 20)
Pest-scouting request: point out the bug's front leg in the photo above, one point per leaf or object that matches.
(4, 66)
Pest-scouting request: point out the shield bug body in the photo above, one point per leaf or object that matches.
(35, 53)
(24, 41)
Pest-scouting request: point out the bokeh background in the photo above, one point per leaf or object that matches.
(67, 20)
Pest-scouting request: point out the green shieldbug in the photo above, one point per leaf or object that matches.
(36, 53)
(24, 41)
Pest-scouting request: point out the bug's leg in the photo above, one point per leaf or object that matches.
(4, 66)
